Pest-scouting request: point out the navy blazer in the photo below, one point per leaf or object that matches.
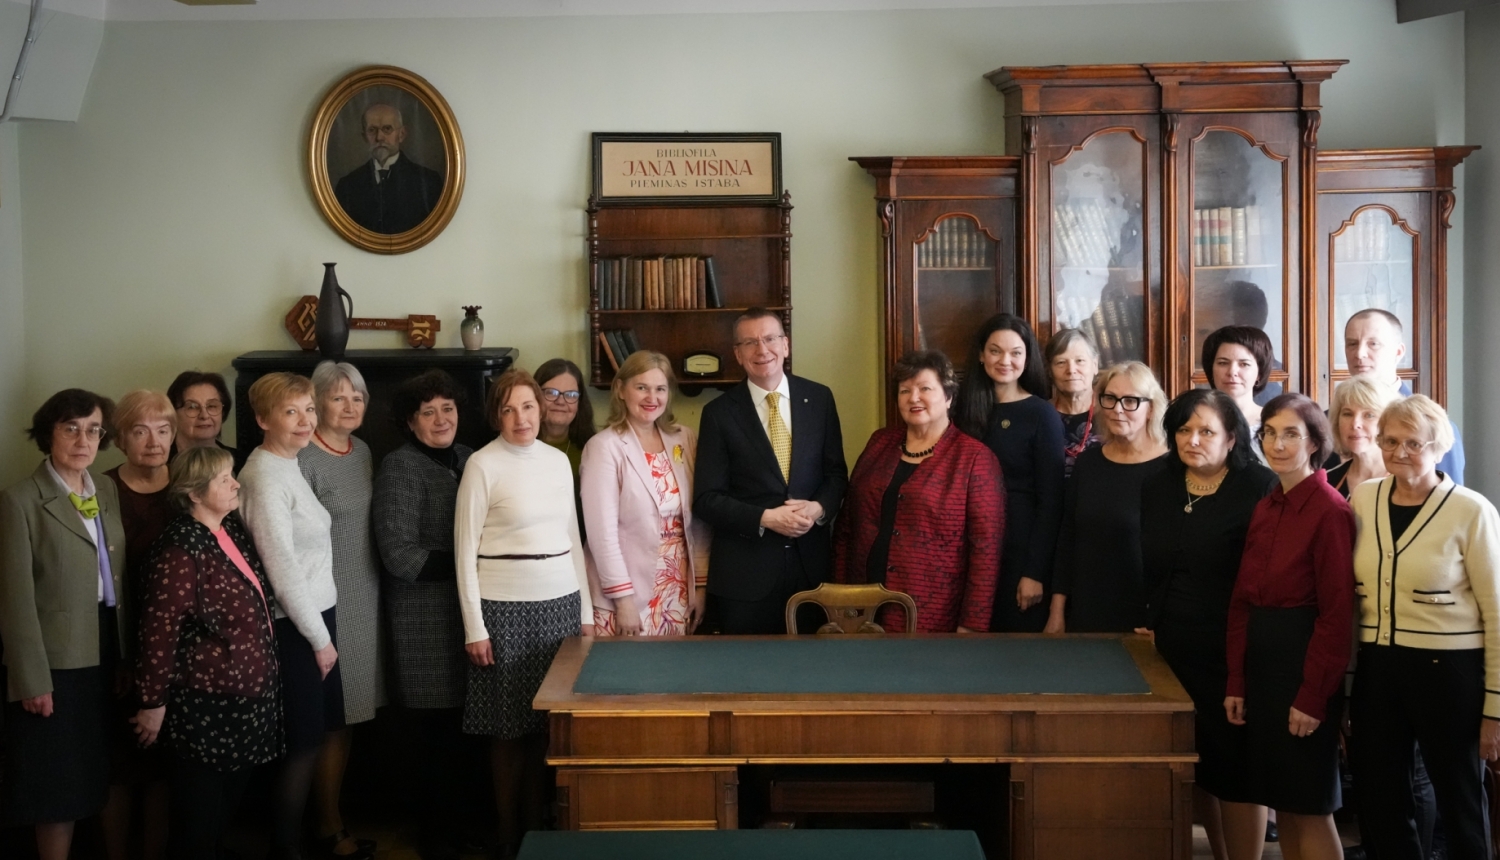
(737, 479)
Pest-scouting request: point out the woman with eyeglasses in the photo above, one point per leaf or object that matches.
(1003, 402)
(1427, 574)
(567, 419)
(203, 403)
(1290, 623)
(648, 566)
(1194, 517)
(64, 623)
(1098, 585)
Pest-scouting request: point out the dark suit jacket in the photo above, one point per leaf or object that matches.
(738, 479)
(398, 204)
(49, 575)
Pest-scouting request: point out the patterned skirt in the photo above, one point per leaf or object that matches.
(665, 612)
(525, 636)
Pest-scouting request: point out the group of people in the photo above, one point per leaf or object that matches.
(259, 605)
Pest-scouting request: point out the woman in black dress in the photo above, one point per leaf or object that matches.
(1003, 403)
(1194, 515)
(1097, 583)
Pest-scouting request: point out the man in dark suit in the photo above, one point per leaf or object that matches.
(770, 478)
(390, 193)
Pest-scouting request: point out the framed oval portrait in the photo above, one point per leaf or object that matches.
(386, 160)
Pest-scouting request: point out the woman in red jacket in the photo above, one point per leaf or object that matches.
(1290, 623)
(925, 512)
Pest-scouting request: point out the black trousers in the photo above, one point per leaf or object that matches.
(203, 803)
(767, 616)
(1435, 698)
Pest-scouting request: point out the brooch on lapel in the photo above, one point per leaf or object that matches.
(1005, 424)
(677, 453)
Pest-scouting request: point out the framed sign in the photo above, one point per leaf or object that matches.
(684, 168)
(386, 160)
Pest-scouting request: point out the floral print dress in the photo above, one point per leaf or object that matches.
(665, 612)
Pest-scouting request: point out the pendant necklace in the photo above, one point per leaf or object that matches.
(1203, 490)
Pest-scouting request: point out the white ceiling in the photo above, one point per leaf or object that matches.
(309, 10)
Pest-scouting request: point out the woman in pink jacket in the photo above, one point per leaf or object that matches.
(647, 557)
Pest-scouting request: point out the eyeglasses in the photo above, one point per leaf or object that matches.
(95, 432)
(769, 342)
(1129, 403)
(1411, 446)
(1290, 438)
(553, 394)
(213, 407)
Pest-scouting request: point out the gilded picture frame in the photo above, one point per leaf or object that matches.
(385, 159)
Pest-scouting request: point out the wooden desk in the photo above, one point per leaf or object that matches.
(1091, 774)
(751, 845)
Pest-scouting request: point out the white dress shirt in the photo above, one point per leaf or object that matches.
(762, 409)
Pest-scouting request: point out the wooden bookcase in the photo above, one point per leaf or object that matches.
(751, 245)
(1118, 162)
(948, 250)
(1383, 221)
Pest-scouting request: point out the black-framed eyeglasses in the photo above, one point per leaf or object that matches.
(1129, 403)
(553, 394)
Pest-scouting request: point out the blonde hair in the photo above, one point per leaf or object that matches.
(143, 405)
(1145, 382)
(193, 470)
(274, 389)
(1357, 392)
(636, 364)
(1422, 414)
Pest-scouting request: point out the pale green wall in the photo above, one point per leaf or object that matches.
(1482, 208)
(171, 226)
(13, 405)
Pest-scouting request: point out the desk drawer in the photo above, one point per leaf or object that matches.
(648, 798)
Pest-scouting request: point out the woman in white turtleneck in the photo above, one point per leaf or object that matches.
(522, 590)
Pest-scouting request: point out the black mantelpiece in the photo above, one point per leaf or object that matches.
(383, 370)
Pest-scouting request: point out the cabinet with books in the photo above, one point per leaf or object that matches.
(673, 278)
(948, 251)
(1159, 201)
(1383, 218)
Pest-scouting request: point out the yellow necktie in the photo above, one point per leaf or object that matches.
(781, 440)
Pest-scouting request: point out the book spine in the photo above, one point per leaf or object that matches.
(699, 282)
(607, 353)
(1225, 255)
(1254, 253)
(1239, 238)
(1101, 334)
(711, 283)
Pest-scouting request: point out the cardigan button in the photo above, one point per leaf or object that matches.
(1390, 554)
(895, 532)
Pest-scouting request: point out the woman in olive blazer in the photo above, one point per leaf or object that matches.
(62, 624)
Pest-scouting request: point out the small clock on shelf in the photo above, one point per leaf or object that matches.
(701, 365)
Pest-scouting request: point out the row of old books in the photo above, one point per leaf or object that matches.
(658, 283)
(1082, 235)
(617, 345)
(1116, 323)
(956, 244)
(1227, 236)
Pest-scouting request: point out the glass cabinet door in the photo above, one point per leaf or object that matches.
(955, 284)
(1374, 266)
(1238, 254)
(1098, 243)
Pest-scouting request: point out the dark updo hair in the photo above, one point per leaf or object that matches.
(1179, 411)
(408, 398)
(916, 361)
(1311, 414)
(1249, 337)
(976, 394)
(70, 404)
(189, 378)
(582, 428)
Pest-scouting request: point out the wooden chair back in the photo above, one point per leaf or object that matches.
(851, 608)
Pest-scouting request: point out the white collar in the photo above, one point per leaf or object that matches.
(388, 163)
(88, 481)
(758, 394)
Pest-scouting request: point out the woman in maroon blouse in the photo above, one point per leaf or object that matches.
(145, 424)
(925, 513)
(1290, 622)
(208, 675)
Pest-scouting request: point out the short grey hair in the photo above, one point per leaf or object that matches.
(328, 374)
(1064, 338)
(192, 471)
(1423, 415)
